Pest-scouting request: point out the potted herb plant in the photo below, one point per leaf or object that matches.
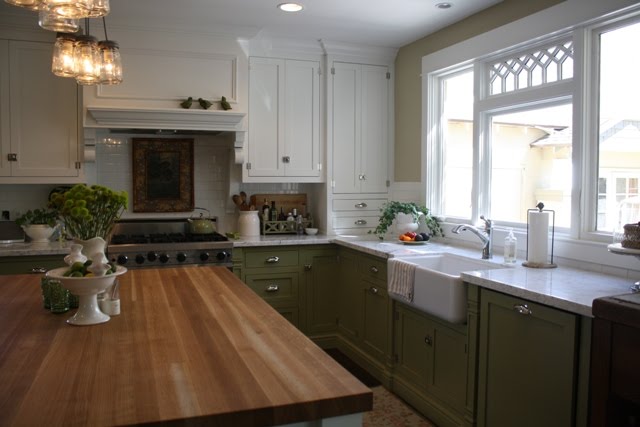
(38, 224)
(390, 210)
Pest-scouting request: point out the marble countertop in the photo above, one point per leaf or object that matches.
(565, 288)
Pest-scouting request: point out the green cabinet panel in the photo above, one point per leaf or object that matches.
(30, 264)
(279, 289)
(527, 363)
(319, 276)
(273, 257)
(412, 333)
(349, 296)
(448, 373)
(376, 319)
(291, 314)
(373, 268)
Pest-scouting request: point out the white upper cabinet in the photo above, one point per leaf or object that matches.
(360, 137)
(284, 121)
(38, 117)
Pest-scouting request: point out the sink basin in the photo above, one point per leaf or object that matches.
(438, 288)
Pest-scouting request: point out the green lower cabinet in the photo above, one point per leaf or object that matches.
(528, 364)
(30, 264)
(430, 369)
(376, 303)
(349, 297)
(319, 272)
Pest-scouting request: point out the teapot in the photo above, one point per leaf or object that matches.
(202, 225)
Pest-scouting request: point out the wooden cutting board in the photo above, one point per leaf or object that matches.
(285, 201)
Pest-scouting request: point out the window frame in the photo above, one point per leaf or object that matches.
(581, 90)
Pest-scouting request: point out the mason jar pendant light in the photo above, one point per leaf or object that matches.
(74, 9)
(100, 8)
(87, 60)
(27, 4)
(53, 22)
(111, 66)
(63, 64)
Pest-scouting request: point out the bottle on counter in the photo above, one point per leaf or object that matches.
(282, 216)
(299, 226)
(266, 210)
(295, 213)
(290, 217)
(510, 244)
(273, 212)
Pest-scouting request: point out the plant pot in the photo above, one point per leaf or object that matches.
(405, 223)
(38, 233)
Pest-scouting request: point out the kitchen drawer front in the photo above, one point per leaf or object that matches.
(271, 258)
(358, 205)
(373, 268)
(356, 222)
(278, 289)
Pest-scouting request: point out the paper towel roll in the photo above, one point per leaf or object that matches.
(538, 239)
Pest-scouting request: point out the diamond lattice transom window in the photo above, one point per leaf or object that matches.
(543, 66)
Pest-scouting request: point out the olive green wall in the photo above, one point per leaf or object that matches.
(408, 90)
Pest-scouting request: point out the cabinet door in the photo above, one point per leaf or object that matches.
(266, 120)
(44, 114)
(375, 332)
(320, 268)
(346, 120)
(301, 153)
(374, 150)
(526, 363)
(448, 369)
(5, 135)
(412, 346)
(349, 296)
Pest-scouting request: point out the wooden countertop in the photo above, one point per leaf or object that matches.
(191, 343)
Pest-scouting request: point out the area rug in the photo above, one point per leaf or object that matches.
(390, 411)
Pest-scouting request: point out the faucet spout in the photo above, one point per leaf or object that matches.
(485, 236)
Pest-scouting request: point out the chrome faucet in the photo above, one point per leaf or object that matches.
(486, 235)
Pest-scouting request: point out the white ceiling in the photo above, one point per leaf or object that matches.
(388, 23)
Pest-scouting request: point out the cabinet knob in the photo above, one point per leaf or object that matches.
(272, 288)
(523, 309)
(307, 267)
(12, 157)
(373, 269)
(272, 260)
(361, 205)
(428, 340)
(373, 290)
(361, 177)
(360, 222)
(286, 159)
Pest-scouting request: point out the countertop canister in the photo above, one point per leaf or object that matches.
(249, 224)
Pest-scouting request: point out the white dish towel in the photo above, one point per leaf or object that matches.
(400, 278)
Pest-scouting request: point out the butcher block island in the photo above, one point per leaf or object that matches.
(193, 345)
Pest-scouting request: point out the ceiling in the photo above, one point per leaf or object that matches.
(386, 23)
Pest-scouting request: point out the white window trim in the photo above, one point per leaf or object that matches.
(581, 16)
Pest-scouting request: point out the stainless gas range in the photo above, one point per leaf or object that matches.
(166, 243)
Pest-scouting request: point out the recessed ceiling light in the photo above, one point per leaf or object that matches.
(444, 5)
(290, 7)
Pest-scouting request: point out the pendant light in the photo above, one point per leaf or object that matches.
(27, 4)
(74, 9)
(111, 65)
(87, 58)
(100, 9)
(53, 22)
(63, 64)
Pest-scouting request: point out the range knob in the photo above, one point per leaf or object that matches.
(204, 256)
(140, 259)
(152, 256)
(122, 259)
(182, 257)
(164, 258)
(221, 256)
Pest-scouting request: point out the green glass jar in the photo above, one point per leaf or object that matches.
(44, 285)
(58, 297)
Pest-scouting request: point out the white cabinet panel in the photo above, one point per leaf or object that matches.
(284, 121)
(43, 111)
(360, 134)
(5, 131)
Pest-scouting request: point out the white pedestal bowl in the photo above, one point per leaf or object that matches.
(87, 290)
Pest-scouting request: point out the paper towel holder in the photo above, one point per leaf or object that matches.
(540, 208)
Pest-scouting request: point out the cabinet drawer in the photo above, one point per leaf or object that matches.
(359, 205)
(277, 289)
(356, 222)
(373, 268)
(271, 258)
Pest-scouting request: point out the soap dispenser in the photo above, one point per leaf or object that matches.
(510, 245)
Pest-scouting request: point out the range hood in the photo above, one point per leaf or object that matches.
(167, 118)
(173, 120)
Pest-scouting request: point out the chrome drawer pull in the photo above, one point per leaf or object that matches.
(360, 222)
(373, 290)
(308, 267)
(361, 205)
(373, 269)
(523, 309)
(272, 260)
(36, 270)
(272, 288)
